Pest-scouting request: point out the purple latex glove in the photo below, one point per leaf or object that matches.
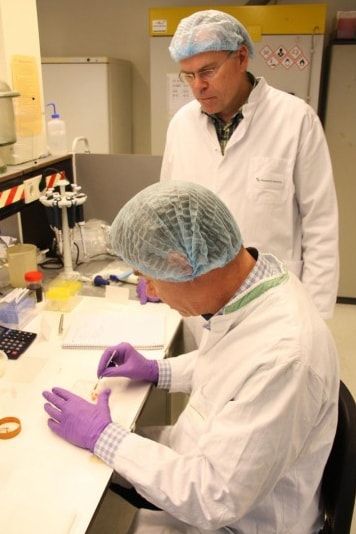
(124, 360)
(76, 420)
(142, 292)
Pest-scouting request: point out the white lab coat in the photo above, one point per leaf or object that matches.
(248, 451)
(275, 177)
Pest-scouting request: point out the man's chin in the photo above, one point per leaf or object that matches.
(208, 106)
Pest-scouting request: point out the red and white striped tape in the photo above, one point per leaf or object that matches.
(53, 179)
(17, 193)
(12, 195)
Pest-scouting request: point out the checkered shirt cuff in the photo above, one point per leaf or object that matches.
(109, 441)
(164, 374)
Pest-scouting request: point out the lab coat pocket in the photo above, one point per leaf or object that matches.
(269, 180)
(198, 412)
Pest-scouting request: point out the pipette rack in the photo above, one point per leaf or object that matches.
(65, 210)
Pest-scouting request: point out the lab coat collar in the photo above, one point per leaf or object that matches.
(253, 291)
(260, 287)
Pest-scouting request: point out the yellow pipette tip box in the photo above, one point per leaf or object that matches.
(62, 295)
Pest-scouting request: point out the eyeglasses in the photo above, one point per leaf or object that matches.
(204, 75)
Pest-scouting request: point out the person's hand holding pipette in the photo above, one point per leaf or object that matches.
(124, 360)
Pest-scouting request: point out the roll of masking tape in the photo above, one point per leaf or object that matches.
(9, 427)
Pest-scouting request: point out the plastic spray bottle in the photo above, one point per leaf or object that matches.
(56, 134)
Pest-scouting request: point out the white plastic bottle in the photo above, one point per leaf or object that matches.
(56, 134)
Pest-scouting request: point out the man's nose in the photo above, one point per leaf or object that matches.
(198, 83)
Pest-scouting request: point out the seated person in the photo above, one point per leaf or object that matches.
(248, 451)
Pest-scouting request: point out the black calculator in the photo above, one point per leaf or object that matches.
(14, 342)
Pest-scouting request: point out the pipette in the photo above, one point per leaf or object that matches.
(110, 363)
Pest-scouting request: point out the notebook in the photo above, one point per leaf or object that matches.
(104, 328)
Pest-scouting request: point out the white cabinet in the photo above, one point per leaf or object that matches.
(93, 97)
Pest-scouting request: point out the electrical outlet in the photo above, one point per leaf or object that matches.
(31, 187)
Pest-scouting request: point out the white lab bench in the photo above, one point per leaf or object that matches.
(47, 484)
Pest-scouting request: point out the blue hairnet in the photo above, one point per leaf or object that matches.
(175, 231)
(207, 31)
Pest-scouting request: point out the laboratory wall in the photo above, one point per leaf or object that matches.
(121, 29)
(340, 129)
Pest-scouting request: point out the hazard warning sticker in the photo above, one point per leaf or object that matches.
(284, 57)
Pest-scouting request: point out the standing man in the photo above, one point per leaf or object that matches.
(261, 150)
(247, 453)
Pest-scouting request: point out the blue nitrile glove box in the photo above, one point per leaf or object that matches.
(15, 311)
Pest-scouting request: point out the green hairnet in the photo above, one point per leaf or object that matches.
(207, 31)
(175, 231)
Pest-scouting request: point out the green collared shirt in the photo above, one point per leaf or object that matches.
(225, 130)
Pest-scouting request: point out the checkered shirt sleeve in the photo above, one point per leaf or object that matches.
(109, 441)
(165, 374)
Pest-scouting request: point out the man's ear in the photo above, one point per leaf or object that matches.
(179, 263)
(244, 57)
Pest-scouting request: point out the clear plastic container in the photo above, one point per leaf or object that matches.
(21, 259)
